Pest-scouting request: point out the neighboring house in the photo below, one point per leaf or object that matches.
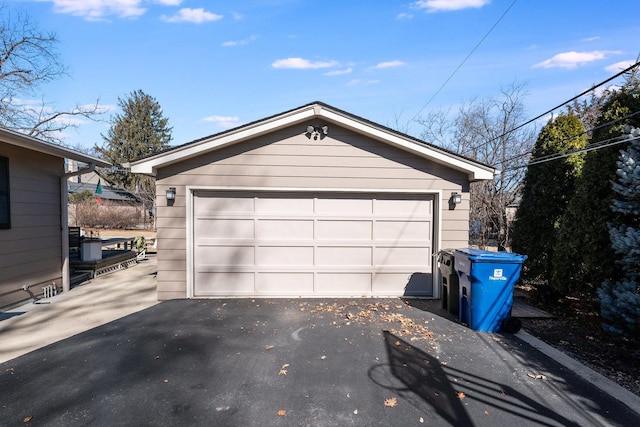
(311, 202)
(33, 215)
(109, 193)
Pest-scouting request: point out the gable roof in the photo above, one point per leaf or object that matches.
(108, 192)
(316, 110)
(20, 140)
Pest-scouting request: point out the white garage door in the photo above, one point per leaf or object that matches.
(312, 244)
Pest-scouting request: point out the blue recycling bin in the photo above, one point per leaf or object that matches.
(487, 280)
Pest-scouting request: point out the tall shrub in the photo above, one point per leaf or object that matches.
(583, 256)
(548, 185)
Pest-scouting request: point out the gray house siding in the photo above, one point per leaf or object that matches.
(30, 253)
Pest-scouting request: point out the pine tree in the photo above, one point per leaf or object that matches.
(620, 300)
(138, 131)
(546, 192)
(583, 256)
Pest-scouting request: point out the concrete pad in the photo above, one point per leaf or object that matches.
(106, 298)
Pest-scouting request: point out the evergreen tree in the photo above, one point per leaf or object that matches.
(583, 256)
(620, 300)
(547, 189)
(138, 131)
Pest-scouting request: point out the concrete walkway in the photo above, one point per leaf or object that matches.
(104, 299)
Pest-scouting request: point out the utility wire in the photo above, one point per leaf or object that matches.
(572, 137)
(555, 108)
(596, 146)
(463, 61)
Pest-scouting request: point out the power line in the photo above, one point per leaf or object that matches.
(555, 108)
(572, 137)
(463, 61)
(592, 147)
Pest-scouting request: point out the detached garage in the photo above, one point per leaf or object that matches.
(312, 202)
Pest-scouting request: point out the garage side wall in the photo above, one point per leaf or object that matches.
(30, 253)
(342, 160)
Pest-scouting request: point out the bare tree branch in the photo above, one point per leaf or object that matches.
(28, 59)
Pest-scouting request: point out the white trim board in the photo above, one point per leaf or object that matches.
(475, 171)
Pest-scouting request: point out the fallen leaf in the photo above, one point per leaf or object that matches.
(165, 381)
(421, 420)
(486, 412)
(537, 376)
(282, 372)
(27, 419)
(461, 395)
(391, 402)
(282, 412)
(323, 357)
(355, 412)
(11, 370)
(398, 343)
(269, 347)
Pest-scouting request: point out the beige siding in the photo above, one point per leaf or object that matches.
(288, 159)
(30, 253)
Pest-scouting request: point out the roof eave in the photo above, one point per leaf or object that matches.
(20, 140)
(474, 170)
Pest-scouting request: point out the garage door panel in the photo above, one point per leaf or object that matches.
(284, 229)
(401, 256)
(225, 283)
(225, 228)
(232, 205)
(404, 208)
(344, 230)
(284, 205)
(226, 255)
(343, 283)
(402, 230)
(340, 256)
(285, 283)
(417, 283)
(344, 206)
(284, 256)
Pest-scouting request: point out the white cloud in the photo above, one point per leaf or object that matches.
(449, 5)
(362, 82)
(619, 66)
(590, 39)
(223, 121)
(404, 15)
(571, 60)
(388, 64)
(302, 64)
(193, 16)
(339, 72)
(233, 43)
(95, 10)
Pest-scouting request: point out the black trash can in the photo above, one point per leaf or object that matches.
(449, 281)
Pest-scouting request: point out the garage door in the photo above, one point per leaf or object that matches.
(277, 244)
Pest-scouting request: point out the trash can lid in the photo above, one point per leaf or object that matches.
(478, 255)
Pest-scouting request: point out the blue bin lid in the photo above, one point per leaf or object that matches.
(478, 255)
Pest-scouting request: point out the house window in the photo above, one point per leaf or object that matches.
(5, 213)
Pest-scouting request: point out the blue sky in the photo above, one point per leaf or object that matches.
(213, 65)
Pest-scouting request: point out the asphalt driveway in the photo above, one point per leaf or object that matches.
(296, 362)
